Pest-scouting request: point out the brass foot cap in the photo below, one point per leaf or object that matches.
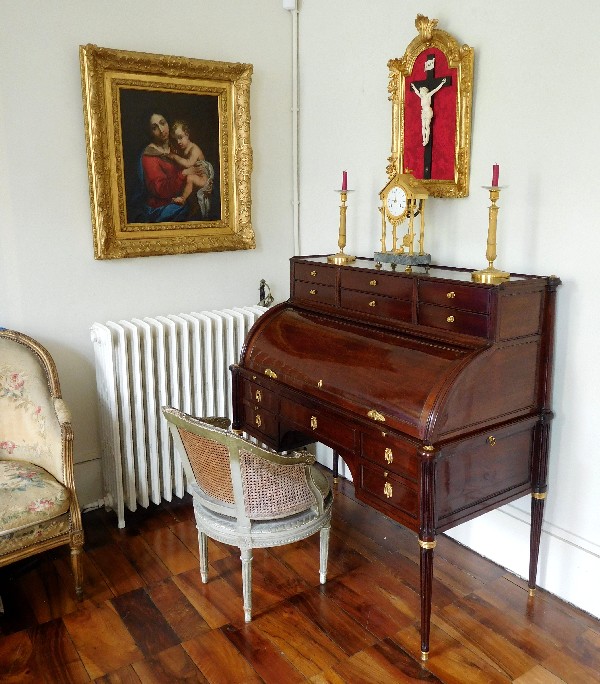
(424, 655)
(531, 592)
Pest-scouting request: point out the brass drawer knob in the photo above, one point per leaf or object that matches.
(271, 374)
(388, 455)
(372, 303)
(450, 319)
(387, 490)
(313, 422)
(491, 440)
(373, 283)
(313, 273)
(258, 396)
(451, 295)
(313, 292)
(258, 420)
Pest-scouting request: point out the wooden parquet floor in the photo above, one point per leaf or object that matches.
(147, 617)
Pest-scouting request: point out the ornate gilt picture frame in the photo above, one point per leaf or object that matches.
(431, 88)
(169, 153)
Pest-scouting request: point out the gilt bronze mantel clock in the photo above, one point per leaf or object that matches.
(402, 201)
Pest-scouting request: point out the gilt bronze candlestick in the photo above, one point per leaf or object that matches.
(491, 275)
(341, 257)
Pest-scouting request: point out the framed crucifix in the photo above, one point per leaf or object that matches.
(431, 88)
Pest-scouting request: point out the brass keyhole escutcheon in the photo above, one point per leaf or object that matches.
(450, 319)
(372, 303)
(313, 422)
(373, 283)
(388, 455)
(320, 384)
(313, 273)
(258, 396)
(491, 440)
(258, 420)
(387, 490)
(313, 292)
(451, 295)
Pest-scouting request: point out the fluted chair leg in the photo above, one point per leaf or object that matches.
(77, 569)
(324, 555)
(246, 555)
(203, 545)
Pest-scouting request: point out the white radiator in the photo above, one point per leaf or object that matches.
(141, 365)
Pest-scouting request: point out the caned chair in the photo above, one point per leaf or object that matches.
(38, 503)
(248, 496)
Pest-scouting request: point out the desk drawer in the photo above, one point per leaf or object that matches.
(377, 305)
(456, 320)
(476, 299)
(315, 273)
(259, 396)
(324, 294)
(395, 455)
(489, 464)
(378, 283)
(323, 426)
(387, 487)
(261, 420)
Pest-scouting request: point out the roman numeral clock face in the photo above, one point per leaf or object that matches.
(396, 202)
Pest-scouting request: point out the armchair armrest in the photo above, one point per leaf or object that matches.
(62, 411)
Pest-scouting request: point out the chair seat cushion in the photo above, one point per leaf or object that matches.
(29, 497)
(263, 533)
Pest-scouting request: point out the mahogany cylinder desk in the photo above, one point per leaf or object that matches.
(435, 390)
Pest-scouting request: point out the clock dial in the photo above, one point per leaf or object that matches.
(396, 202)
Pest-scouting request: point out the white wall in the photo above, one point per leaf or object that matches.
(527, 117)
(50, 285)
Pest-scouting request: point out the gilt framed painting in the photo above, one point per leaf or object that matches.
(168, 151)
(431, 88)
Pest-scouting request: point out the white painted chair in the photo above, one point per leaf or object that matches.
(247, 496)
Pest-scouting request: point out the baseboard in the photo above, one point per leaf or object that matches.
(566, 565)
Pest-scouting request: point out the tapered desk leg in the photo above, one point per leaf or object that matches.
(427, 540)
(335, 465)
(426, 589)
(539, 493)
(537, 514)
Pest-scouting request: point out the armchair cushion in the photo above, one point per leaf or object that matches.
(29, 499)
(29, 427)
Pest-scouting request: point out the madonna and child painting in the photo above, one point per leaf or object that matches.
(171, 159)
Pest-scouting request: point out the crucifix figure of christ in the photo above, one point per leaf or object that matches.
(425, 90)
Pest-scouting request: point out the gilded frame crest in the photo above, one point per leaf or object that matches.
(431, 89)
(186, 190)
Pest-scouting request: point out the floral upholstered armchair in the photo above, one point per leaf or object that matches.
(38, 503)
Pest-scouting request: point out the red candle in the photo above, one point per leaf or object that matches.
(495, 175)
(344, 180)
